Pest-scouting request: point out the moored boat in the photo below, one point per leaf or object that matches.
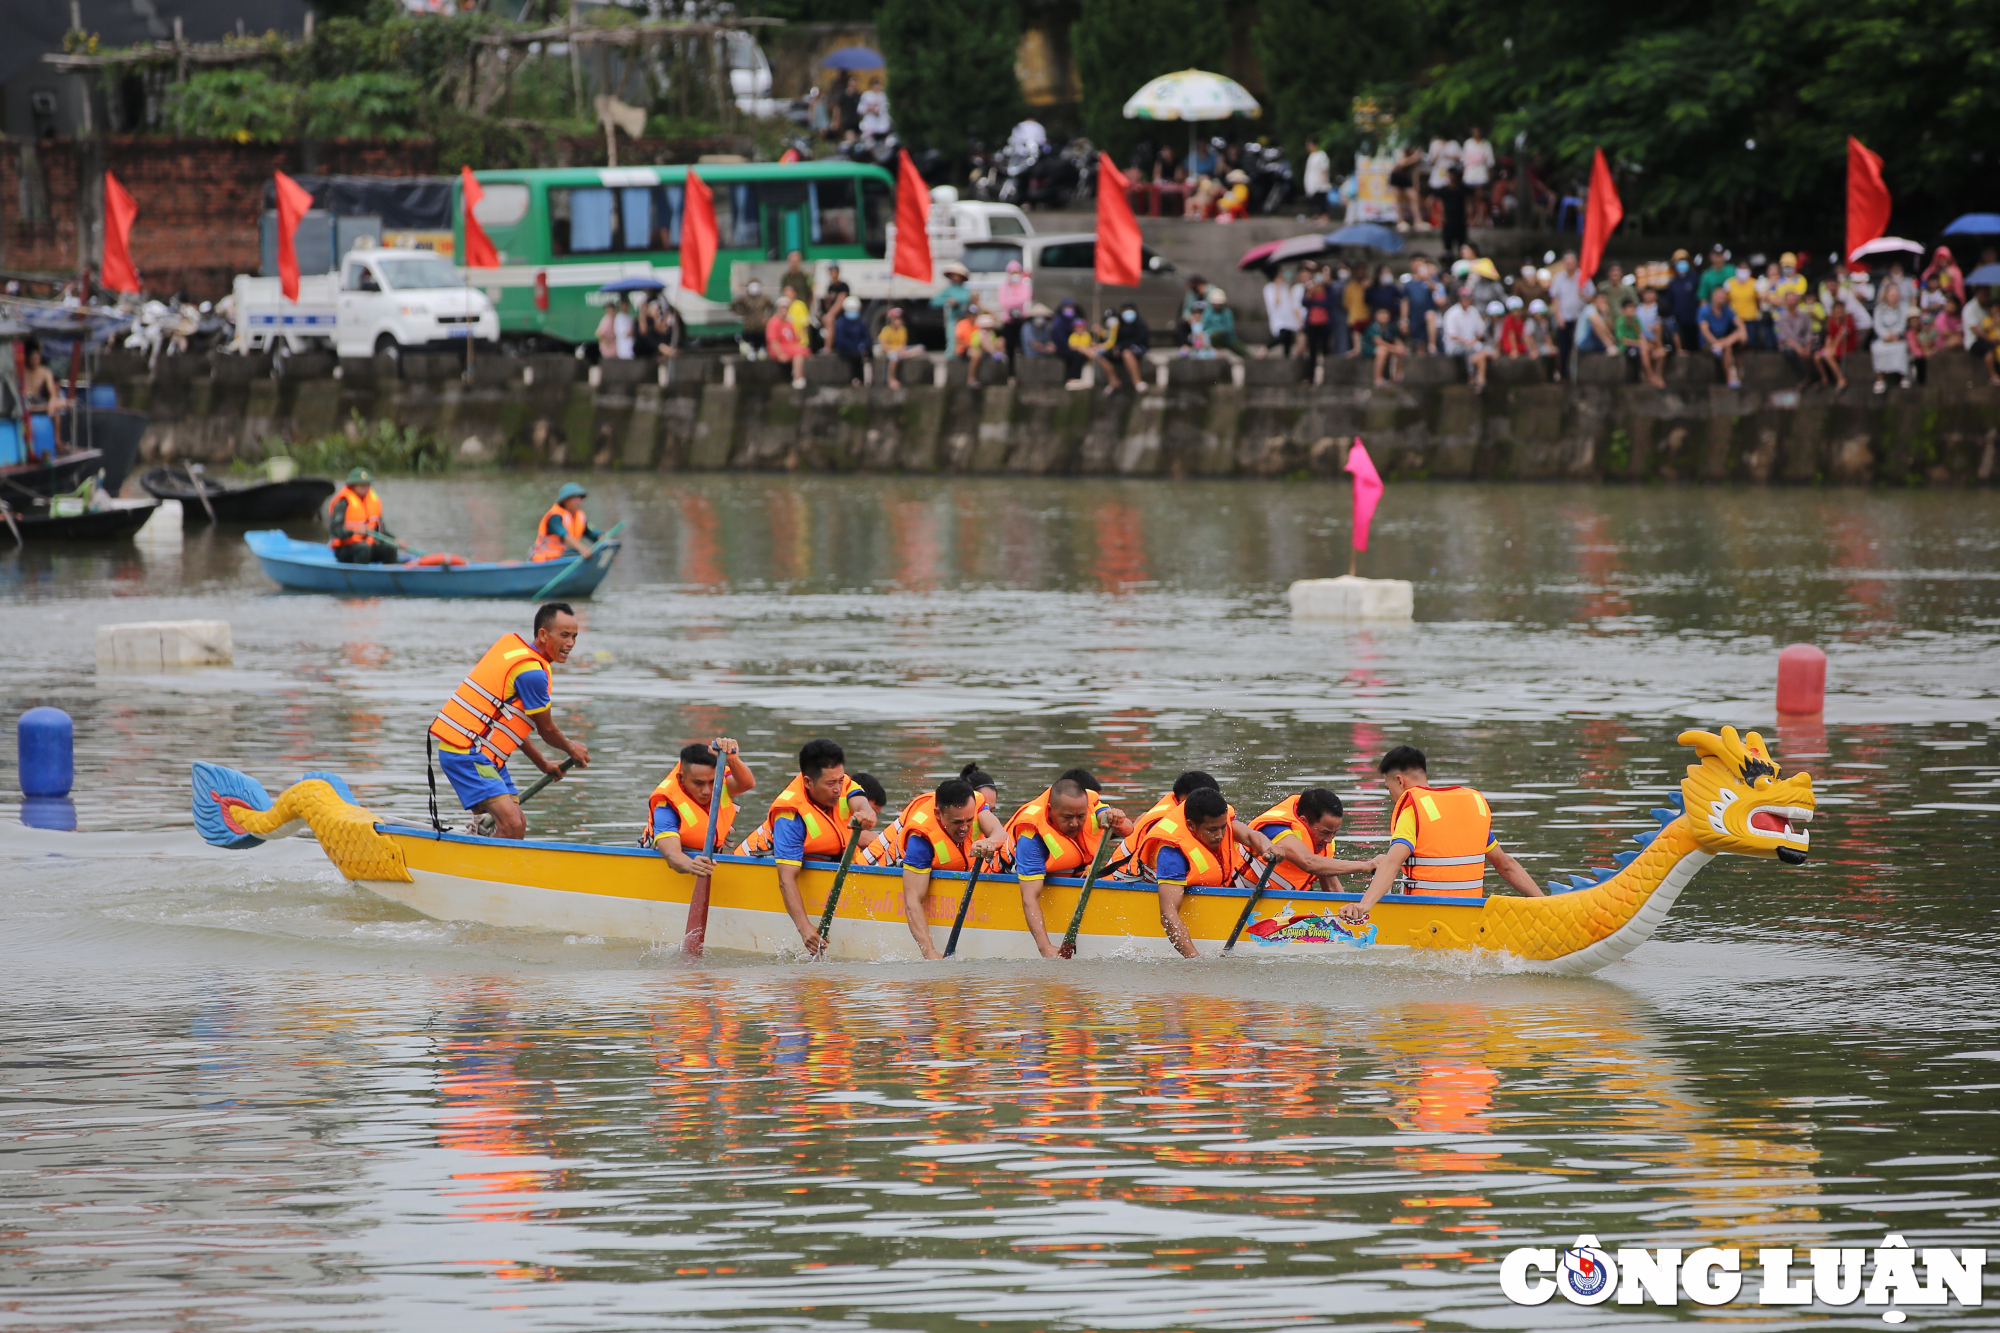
(1732, 801)
(311, 567)
(256, 502)
(114, 519)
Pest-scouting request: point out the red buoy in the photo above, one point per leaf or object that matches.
(1801, 681)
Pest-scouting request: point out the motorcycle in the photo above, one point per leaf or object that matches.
(1271, 183)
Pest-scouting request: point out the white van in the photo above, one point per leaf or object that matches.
(381, 301)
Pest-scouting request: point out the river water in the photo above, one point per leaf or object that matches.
(239, 1094)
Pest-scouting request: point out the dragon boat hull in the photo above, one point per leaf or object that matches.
(1732, 801)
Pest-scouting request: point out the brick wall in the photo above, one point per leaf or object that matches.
(198, 200)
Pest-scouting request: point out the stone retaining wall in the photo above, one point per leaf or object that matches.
(1206, 418)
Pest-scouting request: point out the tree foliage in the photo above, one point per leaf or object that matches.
(951, 70)
(1732, 117)
(1120, 44)
(1318, 56)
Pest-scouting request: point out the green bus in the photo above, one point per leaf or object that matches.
(562, 233)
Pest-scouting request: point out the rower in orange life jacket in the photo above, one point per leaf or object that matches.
(937, 833)
(1127, 859)
(354, 518)
(1301, 829)
(493, 711)
(1057, 833)
(563, 530)
(886, 847)
(1192, 847)
(810, 818)
(1441, 840)
(677, 811)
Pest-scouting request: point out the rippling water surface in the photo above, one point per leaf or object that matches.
(236, 1093)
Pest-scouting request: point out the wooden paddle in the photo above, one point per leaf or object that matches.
(534, 788)
(1263, 882)
(839, 878)
(485, 824)
(576, 562)
(964, 906)
(697, 917)
(1068, 949)
(194, 476)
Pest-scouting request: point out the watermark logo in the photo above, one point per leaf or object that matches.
(1587, 1274)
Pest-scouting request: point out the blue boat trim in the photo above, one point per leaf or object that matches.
(311, 567)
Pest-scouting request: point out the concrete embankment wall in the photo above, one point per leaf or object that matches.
(719, 413)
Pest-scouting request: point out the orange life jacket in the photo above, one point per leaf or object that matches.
(1454, 827)
(826, 833)
(693, 814)
(1066, 854)
(1206, 866)
(1144, 824)
(887, 849)
(919, 816)
(483, 714)
(362, 519)
(1286, 812)
(550, 547)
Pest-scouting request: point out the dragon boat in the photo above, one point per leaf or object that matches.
(1733, 800)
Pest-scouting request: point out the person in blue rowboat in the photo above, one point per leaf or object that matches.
(564, 530)
(677, 811)
(354, 519)
(494, 710)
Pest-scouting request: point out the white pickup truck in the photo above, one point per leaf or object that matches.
(380, 301)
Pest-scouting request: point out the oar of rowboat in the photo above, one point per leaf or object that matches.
(964, 906)
(839, 877)
(1068, 949)
(697, 917)
(572, 567)
(1249, 908)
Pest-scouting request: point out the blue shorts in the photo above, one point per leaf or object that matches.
(475, 778)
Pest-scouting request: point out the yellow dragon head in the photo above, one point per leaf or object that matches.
(1736, 802)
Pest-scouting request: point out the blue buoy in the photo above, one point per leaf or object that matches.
(47, 749)
(49, 812)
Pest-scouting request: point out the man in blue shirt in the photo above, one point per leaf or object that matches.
(1722, 333)
(1420, 308)
(942, 841)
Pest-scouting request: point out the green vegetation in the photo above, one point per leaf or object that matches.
(951, 68)
(379, 446)
(1120, 44)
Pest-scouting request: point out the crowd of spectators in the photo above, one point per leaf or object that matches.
(1557, 315)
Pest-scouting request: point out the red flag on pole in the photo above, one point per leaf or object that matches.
(1118, 248)
(293, 201)
(117, 272)
(699, 236)
(1367, 490)
(479, 251)
(913, 222)
(1601, 216)
(1867, 197)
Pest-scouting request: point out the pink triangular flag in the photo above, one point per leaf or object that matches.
(1367, 490)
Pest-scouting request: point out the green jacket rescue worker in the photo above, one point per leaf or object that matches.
(809, 818)
(354, 518)
(1441, 840)
(1057, 833)
(1301, 829)
(677, 811)
(563, 530)
(938, 833)
(492, 713)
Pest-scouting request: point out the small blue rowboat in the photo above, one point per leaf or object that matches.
(310, 567)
